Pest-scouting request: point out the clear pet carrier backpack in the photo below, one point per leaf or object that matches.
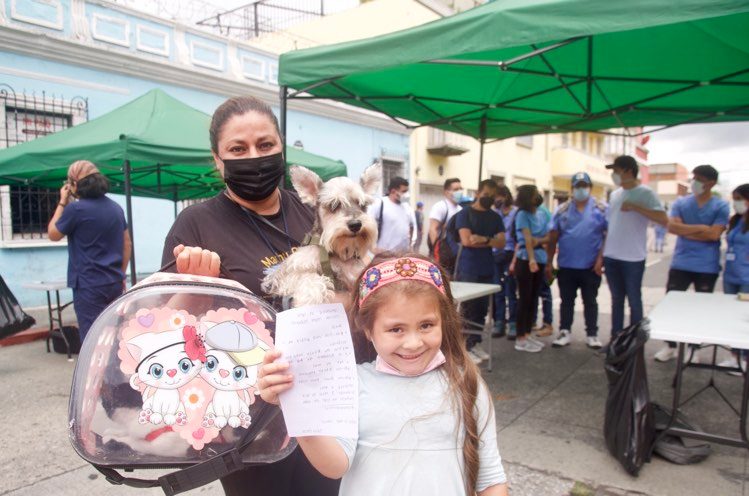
(166, 379)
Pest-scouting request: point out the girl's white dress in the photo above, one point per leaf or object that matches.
(407, 441)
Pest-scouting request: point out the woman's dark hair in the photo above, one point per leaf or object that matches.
(92, 186)
(505, 193)
(743, 192)
(527, 197)
(238, 105)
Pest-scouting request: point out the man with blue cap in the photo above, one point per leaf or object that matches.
(579, 230)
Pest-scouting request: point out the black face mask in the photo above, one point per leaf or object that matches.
(254, 179)
(486, 202)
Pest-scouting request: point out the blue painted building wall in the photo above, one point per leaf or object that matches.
(357, 145)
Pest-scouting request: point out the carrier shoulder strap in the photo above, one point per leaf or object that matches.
(379, 218)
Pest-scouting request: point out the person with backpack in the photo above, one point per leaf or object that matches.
(505, 302)
(396, 223)
(579, 231)
(479, 229)
(439, 216)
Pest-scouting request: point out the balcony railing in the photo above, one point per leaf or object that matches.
(444, 143)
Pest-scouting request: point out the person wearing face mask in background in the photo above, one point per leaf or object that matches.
(736, 273)
(249, 227)
(698, 220)
(505, 302)
(544, 293)
(631, 208)
(395, 218)
(442, 211)
(578, 232)
(480, 229)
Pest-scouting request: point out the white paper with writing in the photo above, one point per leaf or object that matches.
(316, 341)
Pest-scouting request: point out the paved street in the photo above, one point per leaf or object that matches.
(549, 412)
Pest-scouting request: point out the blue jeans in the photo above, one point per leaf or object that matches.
(544, 293)
(730, 288)
(625, 280)
(506, 300)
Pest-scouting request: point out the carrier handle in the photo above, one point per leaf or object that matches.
(201, 474)
(114, 477)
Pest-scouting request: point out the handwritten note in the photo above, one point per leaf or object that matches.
(316, 341)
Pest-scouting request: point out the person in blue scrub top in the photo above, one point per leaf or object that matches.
(544, 292)
(698, 220)
(98, 241)
(578, 233)
(531, 233)
(505, 302)
(736, 273)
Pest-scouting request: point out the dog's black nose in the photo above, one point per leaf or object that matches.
(354, 226)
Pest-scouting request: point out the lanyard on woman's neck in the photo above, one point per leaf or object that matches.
(254, 217)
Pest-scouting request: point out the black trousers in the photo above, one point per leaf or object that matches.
(680, 280)
(529, 287)
(293, 476)
(588, 282)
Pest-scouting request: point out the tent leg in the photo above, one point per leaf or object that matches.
(129, 209)
(284, 96)
(482, 140)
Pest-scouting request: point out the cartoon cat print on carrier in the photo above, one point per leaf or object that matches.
(195, 376)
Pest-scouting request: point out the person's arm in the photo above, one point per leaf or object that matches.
(551, 249)
(434, 230)
(696, 232)
(323, 452)
(53, 233)
(656, 215)
(127, 250)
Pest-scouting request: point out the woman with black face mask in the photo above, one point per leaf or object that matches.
(246, 229)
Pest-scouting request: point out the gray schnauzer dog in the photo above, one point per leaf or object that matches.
(341, 239)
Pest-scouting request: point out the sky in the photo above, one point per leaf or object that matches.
(724, 146)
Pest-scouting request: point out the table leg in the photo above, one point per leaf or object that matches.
(744, 400)
(488, 328)
(51, 323)
(59, 321)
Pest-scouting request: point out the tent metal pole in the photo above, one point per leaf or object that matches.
(129, 209)
(284, 96)
(175, 199)
(482, 139)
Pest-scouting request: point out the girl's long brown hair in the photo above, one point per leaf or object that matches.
(462, 374)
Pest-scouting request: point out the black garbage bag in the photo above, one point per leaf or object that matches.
(12, 318)
(629, 425)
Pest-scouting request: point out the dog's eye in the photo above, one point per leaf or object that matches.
(363, 206)
(334, 206)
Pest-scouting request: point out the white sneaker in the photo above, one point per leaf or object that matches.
(593, 342)
(535, 341)
(480, 352)
(527, 345)
(474, 358)
(667, 353)
(690, 356)
(563, 339)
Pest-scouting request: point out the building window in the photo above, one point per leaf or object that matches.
(26, 210)
(391, 169)
(526, 141)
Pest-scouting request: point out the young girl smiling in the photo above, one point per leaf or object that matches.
(426, 419)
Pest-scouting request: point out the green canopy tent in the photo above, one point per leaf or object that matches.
(519, 67)
(154, 146)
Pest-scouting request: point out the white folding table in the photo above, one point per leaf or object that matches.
(703, 319)
(464, 291)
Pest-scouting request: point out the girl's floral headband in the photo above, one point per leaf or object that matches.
(399, 269)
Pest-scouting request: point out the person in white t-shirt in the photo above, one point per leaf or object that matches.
(444, 209)
(631, 209)
(395, 218)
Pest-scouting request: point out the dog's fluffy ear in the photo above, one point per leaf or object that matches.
(306, 183)
(371, 179)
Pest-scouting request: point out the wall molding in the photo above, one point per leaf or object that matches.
(57, 24)
(150, 49)
(41, 45)
(97, 18)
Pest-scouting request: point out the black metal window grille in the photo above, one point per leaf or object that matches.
(28, 209)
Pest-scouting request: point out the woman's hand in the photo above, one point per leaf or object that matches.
(533, 266)
(197, 261)
(272, 378)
